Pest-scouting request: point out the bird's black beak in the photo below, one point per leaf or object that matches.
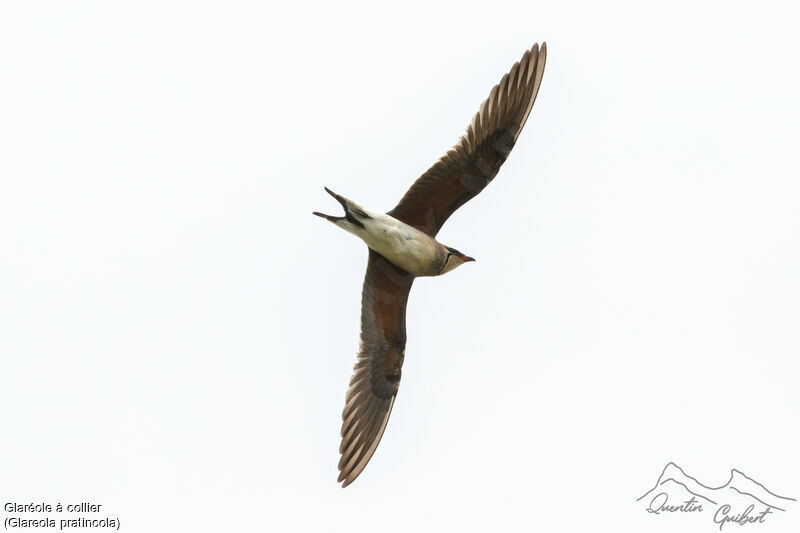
(467, 259)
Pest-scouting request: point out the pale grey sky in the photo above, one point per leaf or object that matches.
(177, 330)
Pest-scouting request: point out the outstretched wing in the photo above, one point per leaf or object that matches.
(376, 376)
(471, 164)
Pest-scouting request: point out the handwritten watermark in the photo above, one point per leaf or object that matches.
(742, 500)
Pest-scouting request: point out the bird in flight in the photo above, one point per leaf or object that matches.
(402, 245)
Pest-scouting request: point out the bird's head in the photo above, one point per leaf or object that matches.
(454, 259)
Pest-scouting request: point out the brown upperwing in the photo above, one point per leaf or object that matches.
(471, 164)
(376, 376)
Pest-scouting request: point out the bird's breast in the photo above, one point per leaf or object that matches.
(403, 245)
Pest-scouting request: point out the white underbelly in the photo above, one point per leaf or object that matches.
(406, 247)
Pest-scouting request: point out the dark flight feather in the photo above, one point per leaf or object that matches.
(473, 162)
(376, 376)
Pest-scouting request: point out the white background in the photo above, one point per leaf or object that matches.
(177, 330)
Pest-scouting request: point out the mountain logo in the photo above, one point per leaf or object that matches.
(742, 500)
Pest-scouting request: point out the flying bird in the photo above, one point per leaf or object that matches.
(402, 245)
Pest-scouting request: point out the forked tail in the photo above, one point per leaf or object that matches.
(352, 212)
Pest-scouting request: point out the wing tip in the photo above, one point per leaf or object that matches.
(359, 451)
(348, 475)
